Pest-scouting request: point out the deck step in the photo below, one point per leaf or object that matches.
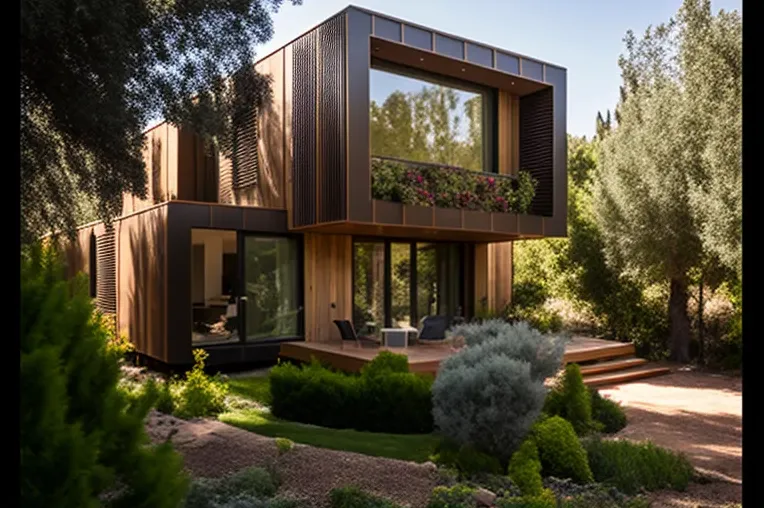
(609, 352)
(626, 375)
(611, 365)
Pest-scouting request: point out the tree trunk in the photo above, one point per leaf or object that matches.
(679, 321)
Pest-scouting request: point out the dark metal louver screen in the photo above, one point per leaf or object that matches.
(304, 129)
(332, 181)
(536, 147)
(245, 163)
(106, 272)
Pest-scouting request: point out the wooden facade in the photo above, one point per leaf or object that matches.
(302, 168)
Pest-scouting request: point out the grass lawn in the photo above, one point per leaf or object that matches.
(256, 388)
(414, 447)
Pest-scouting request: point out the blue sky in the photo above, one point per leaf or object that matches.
(584, 36)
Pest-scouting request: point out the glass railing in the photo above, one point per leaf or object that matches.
(429, 184)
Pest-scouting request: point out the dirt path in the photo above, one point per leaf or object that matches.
(211, 449)
(698, 414)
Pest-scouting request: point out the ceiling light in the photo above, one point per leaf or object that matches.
(421, 59)
(463, 69)
(512, 83)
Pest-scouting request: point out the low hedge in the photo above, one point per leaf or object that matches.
(383, 398)
(353, 497)
(631, 467)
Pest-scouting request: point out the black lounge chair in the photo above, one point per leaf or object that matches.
(433, 330)
(347, 332)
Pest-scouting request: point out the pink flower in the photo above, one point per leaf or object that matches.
(491, 181)
(419, 178)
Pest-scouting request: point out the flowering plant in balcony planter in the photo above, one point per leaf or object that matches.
(447, 187)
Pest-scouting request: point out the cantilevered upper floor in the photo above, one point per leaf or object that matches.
(382, 127)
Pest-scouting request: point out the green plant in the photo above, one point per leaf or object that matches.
(607, 413)
(525, 469)
(284, 445)
(570, 399)
(633, 466)
(488, 395)
(560, 451)
(353, 497)
(386, 362)
(250, 487)
(381, 399)
(545, 499)
(604, 498)
(466, 459)
(425, 185)
(200, 394)
(81, 437)
(457, 496)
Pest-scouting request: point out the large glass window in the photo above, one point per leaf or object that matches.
(213, 287)
(417, 118)
(272, 288)
(369, 286)
(399, 283)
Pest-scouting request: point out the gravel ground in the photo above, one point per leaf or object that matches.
(695, 413)
(698, 414)
(212, 449)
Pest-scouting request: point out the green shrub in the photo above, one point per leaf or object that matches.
(386, 362)
(480, 332)
(284, 445)
(488, 395)
(544, 500)
(634, 466)
(571, 400)
(560, 451)
(81, 437)
(458, 496)
(379, 400)
(607, 413)
(250, 487)
(466, 459)
(353, 497)
(200, 394)
(604, 498)
(525, 469)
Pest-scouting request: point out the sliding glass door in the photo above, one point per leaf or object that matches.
(271, 286)
(399, 283)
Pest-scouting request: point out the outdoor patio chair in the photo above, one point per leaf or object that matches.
(347, 332)
(433, 330)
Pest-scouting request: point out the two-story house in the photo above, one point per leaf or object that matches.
(385, 181)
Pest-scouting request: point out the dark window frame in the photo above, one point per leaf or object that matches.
(466, 275)
(490, 103)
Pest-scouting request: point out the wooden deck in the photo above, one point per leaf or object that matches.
(426, 359)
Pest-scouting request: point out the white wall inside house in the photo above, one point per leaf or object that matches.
(216, 243)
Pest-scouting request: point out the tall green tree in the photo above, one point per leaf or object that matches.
(93, 74)
(83, 442)
(650, 167)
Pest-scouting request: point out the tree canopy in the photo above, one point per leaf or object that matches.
(94, 74)
(668, 189)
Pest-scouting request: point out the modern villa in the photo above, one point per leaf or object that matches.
(386, 180)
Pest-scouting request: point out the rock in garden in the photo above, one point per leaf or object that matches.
(484, 497)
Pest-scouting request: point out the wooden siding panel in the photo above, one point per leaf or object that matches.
(106, 270)
(270, 143)
(142, 305)
(328, 284)
(493, 276)
(288, 139)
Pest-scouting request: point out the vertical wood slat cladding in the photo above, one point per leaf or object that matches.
(304, 128)
(332, 167)
(106, 270)
(328, 281)
(493, 275)
(536, 147)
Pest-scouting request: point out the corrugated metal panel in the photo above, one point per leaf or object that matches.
(245, 163)
(332, 181)
(536, 147)
(304, 126)
(106, 272)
